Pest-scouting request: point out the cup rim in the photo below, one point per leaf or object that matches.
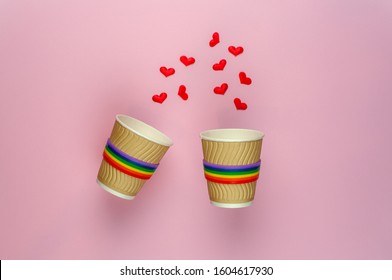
(154, 134)
(231, 135)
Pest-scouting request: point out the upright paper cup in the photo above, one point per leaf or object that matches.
(131, 155)
(231, 165)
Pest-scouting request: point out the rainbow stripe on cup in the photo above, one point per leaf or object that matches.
(231, 174)
(127, 164)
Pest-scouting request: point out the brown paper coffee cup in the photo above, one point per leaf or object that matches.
(229, 149)
(134, 140)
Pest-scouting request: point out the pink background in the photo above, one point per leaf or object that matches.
(321, 92)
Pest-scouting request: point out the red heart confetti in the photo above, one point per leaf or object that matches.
(215, 39)
(244, 79)
(182, 92)
(159, 98)
(167, 71)
(236, 50)
(239, 104)
(219, 66)
(221, 89)
(187, 60)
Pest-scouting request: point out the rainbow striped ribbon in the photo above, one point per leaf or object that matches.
(231, 174)
(127, 164)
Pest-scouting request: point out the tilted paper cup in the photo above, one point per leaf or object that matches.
(231, 165)
(131, 155)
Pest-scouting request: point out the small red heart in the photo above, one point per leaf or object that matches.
(236, 50)
(239, 104)
(222, 89)
(219, 66)
(187, 60)
(215, 39)
(167, 71)
(159, 98)
(182, 92)
(244, 79)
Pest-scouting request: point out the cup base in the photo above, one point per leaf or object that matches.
(120, 195)
(231, 205)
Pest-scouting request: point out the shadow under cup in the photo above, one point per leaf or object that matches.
(231, 165)
(131, 155)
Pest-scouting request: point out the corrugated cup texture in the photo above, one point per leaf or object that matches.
(135, 146)
(231, 153)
